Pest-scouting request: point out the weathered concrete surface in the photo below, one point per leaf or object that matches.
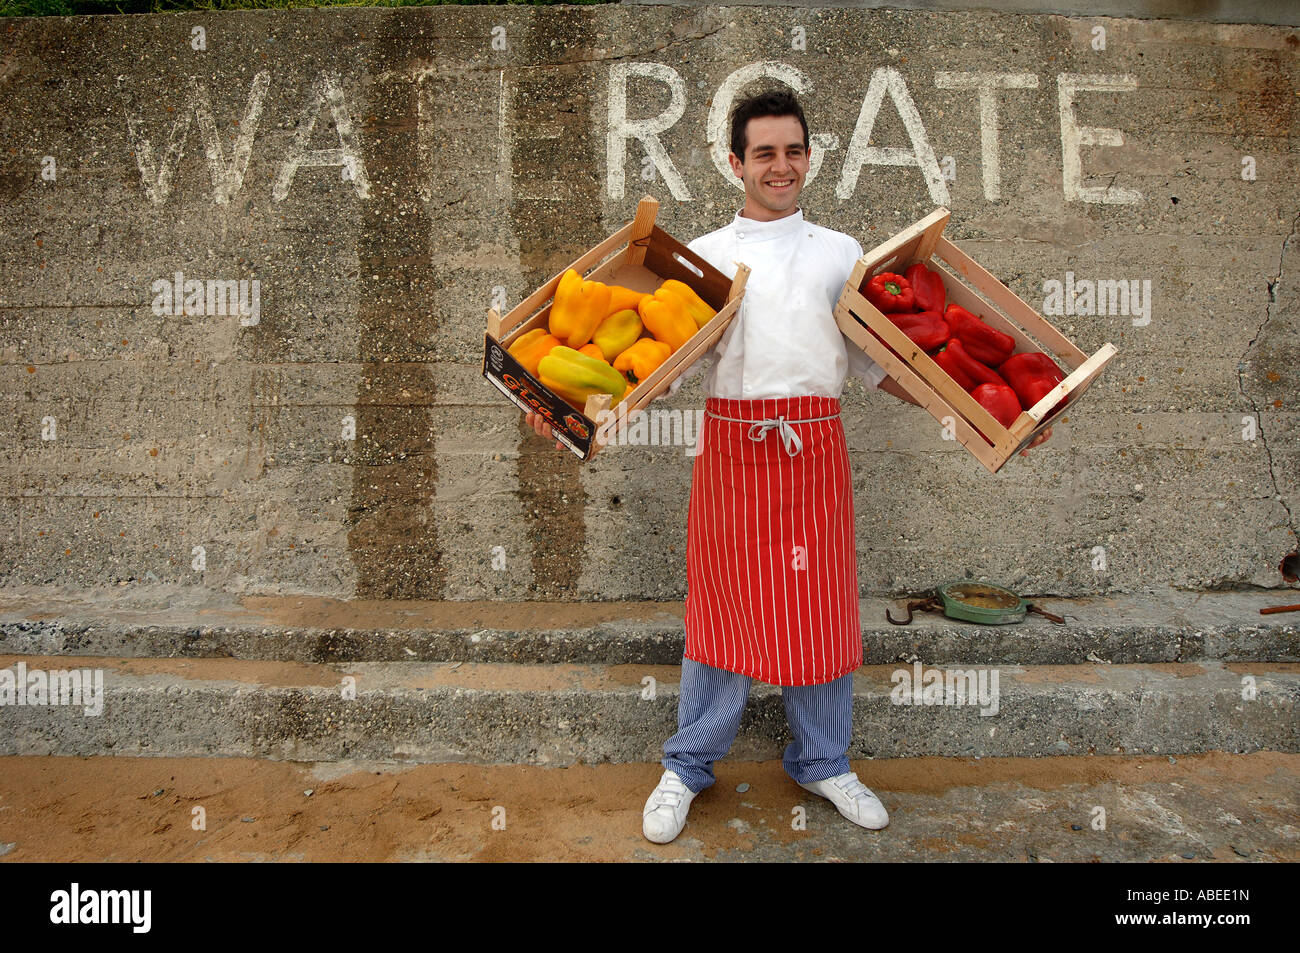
(1219, 807)
(159, 621)
(476, 155)
(570, 713)
(1275, 12)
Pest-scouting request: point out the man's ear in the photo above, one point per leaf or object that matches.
(737, 166)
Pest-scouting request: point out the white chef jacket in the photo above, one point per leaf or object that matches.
(784, 342)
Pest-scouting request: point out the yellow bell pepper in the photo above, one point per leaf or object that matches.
(666, 317)
(532, 346)
(617, 332)
(696, 306)
(621, 299)
(575, 376)
(640, 360)
(592, 349)
(578, 307)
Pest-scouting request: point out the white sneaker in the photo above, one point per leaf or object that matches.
(851, 798)
(665, 809)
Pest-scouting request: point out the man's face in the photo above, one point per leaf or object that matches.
(775, 166)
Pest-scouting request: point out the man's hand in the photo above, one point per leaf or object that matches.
(1037, 440)
(538, 423)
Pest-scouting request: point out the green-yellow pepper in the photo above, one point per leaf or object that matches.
(575, 376)
(616, 333)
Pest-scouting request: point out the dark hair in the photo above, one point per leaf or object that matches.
(770, 102)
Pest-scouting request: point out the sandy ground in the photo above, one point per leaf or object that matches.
(1212, 807)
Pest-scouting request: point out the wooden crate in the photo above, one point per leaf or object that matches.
(997, 304)
(643, 258)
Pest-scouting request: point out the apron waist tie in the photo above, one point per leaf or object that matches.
(758, 431)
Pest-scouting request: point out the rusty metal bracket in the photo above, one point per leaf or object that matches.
(930, 603)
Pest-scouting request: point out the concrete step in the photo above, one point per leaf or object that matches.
(568, 713)
(1234, 808)
(1166, 626)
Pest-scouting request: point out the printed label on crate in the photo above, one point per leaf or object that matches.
(571, 428)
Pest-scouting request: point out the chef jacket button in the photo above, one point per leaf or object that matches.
(740, 234)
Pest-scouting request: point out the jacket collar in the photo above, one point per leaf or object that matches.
(752, 230)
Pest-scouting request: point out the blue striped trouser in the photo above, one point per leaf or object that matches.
(708, 716)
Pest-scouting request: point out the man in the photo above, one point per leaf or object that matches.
(771, 560)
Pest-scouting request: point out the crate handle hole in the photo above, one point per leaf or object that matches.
(688, 265)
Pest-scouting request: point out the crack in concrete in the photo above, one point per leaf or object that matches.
(446, 205)
(1241, 374)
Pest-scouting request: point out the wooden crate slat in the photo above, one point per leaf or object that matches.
(931, 238)
(595, 406)
(1079, 380)
(644, 221)
(887, 249)
(738, 283)
(1009, 302)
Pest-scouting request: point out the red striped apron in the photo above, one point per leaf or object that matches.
(771, 559)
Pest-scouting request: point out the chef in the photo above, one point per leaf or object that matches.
(771, 559)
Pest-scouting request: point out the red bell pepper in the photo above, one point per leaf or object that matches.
(947, 362)
(1031, 375)
(955, 357)
(927, 288)
(926, 328)
(982, 342)
(1000, 401)
(890, 292)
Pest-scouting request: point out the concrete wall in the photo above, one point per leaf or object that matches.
(1275, 12)
(386, 175)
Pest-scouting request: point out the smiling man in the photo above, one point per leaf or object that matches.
(771, 558)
